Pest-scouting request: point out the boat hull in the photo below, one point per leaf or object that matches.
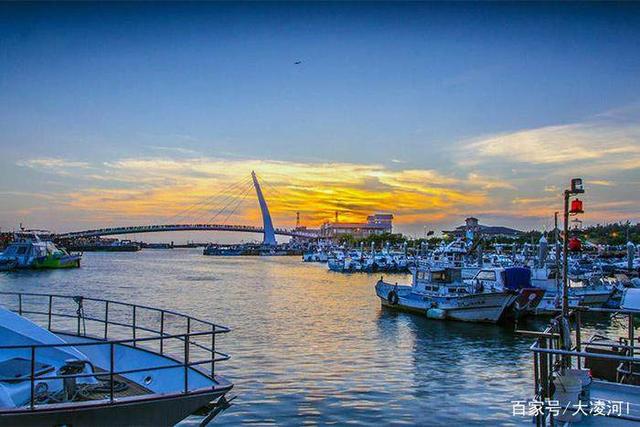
(69, 261)
(155, 411)
(486, 307)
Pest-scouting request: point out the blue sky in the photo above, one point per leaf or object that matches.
(469, 99)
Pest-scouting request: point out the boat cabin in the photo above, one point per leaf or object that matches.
(439, 280)
(503, 278)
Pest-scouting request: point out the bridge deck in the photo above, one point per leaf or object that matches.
(180, 227)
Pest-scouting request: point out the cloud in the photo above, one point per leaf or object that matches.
(601, 182)
(513, 176)
(54, 164)
(532, 166)
(597, 145)
(179, 150)
(158, 188)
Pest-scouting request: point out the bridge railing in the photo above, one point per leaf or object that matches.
(177, 227)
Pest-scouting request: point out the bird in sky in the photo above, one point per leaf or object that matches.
(298, 62)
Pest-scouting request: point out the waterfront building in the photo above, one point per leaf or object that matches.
(473, 227)
(378, 223)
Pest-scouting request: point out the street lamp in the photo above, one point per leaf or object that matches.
(577, 187)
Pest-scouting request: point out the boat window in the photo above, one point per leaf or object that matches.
(440, 276)
(38, 251)
(11, 250)
(486, 275)
(22, 250)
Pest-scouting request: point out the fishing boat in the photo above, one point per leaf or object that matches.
(516, 279)
(441, 293)
(215, 250)
(77, 361)
(315, 256)
(589, 291)
(29, 251)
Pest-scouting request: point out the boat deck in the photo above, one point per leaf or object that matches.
(132, 389)
(612, 392)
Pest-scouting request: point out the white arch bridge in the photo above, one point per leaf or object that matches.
(268, 230)
(182, 227)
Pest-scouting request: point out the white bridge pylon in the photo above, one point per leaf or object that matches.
(269, 233)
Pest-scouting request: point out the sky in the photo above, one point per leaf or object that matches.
(124, 114)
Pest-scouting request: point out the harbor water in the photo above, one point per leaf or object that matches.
(310, 346)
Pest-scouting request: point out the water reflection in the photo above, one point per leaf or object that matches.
(312, 346)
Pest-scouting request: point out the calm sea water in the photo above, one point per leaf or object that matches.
(310, 346)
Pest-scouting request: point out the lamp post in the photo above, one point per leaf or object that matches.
(577, 187)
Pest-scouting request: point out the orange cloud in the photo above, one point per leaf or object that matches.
(218, 190)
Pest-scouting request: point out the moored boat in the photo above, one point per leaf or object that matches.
(32, 252)
(114, 364)
(441, 293)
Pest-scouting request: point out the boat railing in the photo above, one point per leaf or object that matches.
(549, 356)
(185, 342)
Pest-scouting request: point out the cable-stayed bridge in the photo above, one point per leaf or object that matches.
(231, 198)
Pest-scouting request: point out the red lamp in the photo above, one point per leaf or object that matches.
(576, 207)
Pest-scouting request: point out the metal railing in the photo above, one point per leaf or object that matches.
(549, 357)
(113, 322)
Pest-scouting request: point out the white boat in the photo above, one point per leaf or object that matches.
(315, 256)
(116, 364)
(441, 293)
(589, 292)
(29, 251)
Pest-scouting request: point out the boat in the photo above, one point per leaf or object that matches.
(101, 245)
(454, 254)
(32, 252)
(518, 280)
(315, 256)
(116, 363)
(215, 250)
(441, 293)
(588, 291)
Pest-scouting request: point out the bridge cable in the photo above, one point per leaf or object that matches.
(225, 200)
(204, 206)
(205, 202)
(244, 196)
(224, 208)
(273, 189)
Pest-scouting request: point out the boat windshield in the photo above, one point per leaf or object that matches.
(16, 250)
(446, 276)
(486, 275)
(39, 251)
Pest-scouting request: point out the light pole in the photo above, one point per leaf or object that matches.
(577, 187)
(557, 246)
